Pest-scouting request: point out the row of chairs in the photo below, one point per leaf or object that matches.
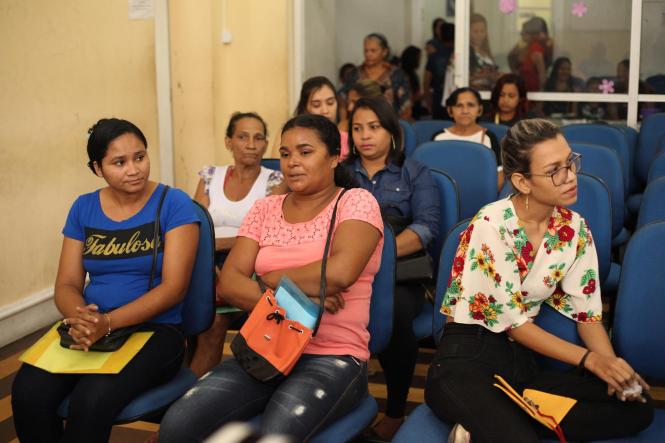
(640, 307)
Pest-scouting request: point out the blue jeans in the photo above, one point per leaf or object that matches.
(319, 390)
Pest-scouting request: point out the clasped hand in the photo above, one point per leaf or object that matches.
(618, 375)
(86, 327)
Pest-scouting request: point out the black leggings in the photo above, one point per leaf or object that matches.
(460, 390)
(96, 399)
(398, 360)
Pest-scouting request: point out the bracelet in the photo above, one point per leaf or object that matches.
(108, 320)
(580, 365)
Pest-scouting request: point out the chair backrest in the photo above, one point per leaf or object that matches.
(563, 327)
(593, 203)
(381, 306)
(471, 165)
(653, 203)
(631, 140)
(409, 136)
(639, 330)
(498, 130)
(445, 265)
(425, 129)
(270, 163)
(604, 163)
(604, 135)
(652, 129)
(657, 169)
(449, 207)
(198, 309)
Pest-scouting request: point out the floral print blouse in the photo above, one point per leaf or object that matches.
(499, 279)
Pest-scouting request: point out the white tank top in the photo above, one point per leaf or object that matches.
(478, 137)
(227, 215)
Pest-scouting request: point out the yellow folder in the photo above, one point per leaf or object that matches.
(548, 409)
(47, 354)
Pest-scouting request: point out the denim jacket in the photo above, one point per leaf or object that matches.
(407, 190)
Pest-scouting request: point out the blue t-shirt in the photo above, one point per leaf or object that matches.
(118, 255)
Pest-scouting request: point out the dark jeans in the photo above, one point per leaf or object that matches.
(398, 360)
(320, 389)
(460, 390)
(95, 400)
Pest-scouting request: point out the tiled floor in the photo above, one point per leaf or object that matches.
(141, 431)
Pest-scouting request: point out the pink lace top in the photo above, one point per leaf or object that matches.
(285, 245)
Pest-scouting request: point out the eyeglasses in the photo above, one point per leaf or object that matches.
(559, 175)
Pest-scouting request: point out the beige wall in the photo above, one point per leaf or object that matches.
(249, 74)
(65, 64)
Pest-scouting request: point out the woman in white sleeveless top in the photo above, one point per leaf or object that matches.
(229, 192)
(465, 107)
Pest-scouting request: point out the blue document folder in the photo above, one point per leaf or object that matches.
(297, 305)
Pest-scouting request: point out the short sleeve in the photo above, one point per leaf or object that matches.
(359, 204)
(178, 209)
(73, 227)
(484, 287)
(206, 175)
(578, 295)
(252, 224)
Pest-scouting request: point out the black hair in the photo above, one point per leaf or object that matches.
(435, 25)
(625, 62)
(509, 79)
(329, 134)
(102, 133)
(452, 98)
(237, 116)
(310, 86)
(550, 84)
(346, 67)
(410, 61)
(388, 120)
(448, 33)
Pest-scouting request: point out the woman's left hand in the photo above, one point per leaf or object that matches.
(87, 327)
(631, 397)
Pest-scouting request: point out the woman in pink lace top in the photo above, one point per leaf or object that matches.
(285, 235)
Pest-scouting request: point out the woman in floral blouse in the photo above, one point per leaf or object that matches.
(516, 254)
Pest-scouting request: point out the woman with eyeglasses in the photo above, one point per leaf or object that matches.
(516, 254)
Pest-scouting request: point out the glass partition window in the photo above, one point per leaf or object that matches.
(553, 46)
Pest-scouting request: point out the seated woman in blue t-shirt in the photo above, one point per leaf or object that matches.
(409, 201)
(109, 236)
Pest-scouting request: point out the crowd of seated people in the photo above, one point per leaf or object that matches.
(344, 151)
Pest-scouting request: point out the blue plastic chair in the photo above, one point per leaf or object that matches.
(657, 169)
(423, 324)
(270, 163)
(449, 205)
(604, 163)
(652, 129)
(641, 307)
(425, 129)
(380, 329)
(498, 130)
(409, 136)
(604, 135)
(653, 207)
(631, 139)
(471, 165)
(198, 312)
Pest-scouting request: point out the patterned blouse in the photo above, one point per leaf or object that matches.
(499, 280)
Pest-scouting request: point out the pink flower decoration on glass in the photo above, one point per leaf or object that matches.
(507, 6)
(579, 9)
(607, 86)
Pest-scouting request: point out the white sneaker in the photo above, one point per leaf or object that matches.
(459, 435)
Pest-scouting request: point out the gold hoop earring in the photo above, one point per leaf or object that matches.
(527, 202)
(393, 140)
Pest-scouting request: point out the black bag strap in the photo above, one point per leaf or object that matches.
(155, 238)
(324, 264)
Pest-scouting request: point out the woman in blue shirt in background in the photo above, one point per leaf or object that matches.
(109, 236)
(405, 190)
